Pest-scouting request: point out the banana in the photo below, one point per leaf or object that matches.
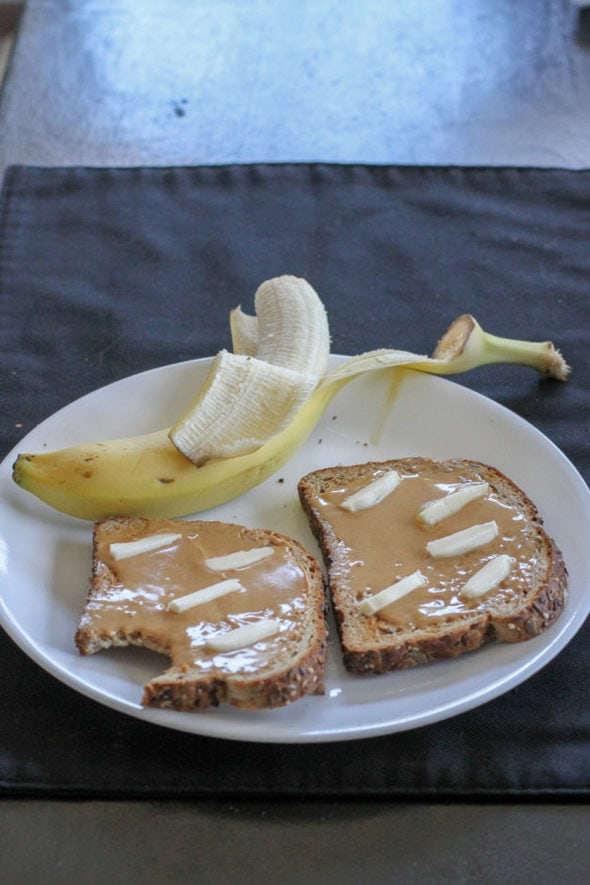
(205, 594)
(148, 475)
(284, 304)
(241, 637)
(239, 559)
(249, 398)
(129, 549)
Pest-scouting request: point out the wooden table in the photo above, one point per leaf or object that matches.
(108, 82)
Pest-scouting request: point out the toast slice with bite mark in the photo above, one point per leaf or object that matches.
(240, 612)
(375, 533)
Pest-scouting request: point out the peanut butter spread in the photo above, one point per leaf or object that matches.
(136, 599)
(384, 543)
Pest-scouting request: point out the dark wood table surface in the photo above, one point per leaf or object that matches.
(187, 82)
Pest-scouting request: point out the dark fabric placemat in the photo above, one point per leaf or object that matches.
(104, 273)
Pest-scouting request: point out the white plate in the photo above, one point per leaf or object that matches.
(45, 556)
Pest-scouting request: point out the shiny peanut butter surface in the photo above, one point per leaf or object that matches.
(382, 544)
(137, 599)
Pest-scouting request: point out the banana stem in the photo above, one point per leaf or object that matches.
(465, 346)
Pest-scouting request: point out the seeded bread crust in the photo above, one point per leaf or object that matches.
(184, 688)
(367, 650)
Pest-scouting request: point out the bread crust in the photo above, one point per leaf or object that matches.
(364, 650)
(186, 688)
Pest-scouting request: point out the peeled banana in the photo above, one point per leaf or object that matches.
(148, 475)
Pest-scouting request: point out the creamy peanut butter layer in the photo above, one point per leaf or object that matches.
(386, 542)
(270, 590)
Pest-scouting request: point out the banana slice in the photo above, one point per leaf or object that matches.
(464, 541)
(239, 559)
(437, 510)
(206, 594)
(487, 577)
(373, 493)
(243, 636)
(390, 594)
(127, 549)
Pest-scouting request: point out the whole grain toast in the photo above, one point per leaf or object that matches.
(128, 605)
(369, 549)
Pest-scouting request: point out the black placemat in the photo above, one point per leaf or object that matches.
(104, 273)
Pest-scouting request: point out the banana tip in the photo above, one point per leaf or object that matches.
(19, 468)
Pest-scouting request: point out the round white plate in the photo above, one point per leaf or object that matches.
(45, 556)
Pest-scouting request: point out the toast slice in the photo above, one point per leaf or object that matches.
(372, 548)
(135, 594)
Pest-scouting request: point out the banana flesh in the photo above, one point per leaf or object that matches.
(241, 637)
(244, 332)
(401, 588)
(463, 541)
(243, 402)
(487, 577)
(239, 559)
(435, 511)
(204, 595)
(373, 493)
(284, 304)
(250, 397)
(129, 549)
(292, 325)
